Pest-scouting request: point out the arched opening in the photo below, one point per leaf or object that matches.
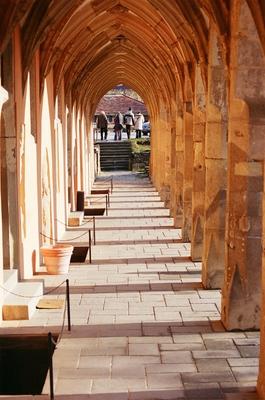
(199, 68)
(119, 116)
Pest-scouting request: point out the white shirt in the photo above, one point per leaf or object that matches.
(139, 122)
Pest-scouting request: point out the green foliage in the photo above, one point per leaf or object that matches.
(140, 145)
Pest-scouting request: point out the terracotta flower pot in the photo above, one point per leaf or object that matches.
(57, 258)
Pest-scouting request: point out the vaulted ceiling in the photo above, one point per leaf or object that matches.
(96, 44)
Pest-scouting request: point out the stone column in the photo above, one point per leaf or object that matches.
(187, 171)
(213, 257)
(62, 113)
(157, 152)
(82, 154)
(179, 166)
(246, 143)
(173, 171)
(3, 99)
(161, 152)
(79, 151)
(261, 378)
(71, 156)
(165, 141)
(198, 178)
(172, 120)
(9, 165)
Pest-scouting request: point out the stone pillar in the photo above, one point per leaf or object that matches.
(79, 185)
(47, 165)
(179, 166)
(165, 140)
(213, 258)
(241, 299)
(82, 154)
(198, 178)
(261, 378)
(161, 152)
(173, 161)
(90, 154)
(9, 166)
(187, 171)
(62, 158)
(71, 143)
(3, 99)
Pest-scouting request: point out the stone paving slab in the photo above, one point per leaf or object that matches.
(142, 325)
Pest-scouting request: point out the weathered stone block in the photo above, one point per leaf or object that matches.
(75, 218)
(216, 140)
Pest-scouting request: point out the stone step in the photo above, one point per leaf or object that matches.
(115, 155)
(10, 279)
(110, 152)
(115, 166)
(113, 158)
(105, 159)
(21, 303)
(114, 143)
(115, 163)
(114, 148)
(107, 152)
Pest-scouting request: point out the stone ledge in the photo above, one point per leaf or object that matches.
(75, 218)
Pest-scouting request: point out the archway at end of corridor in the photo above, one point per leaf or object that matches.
(121, 131)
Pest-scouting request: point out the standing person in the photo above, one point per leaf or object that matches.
(102, 124)
(128, 120)
(139, 124)
(118, 126)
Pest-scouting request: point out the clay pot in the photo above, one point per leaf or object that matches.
(57, 258)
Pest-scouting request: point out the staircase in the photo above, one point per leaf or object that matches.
(21, 306)
(115, 155)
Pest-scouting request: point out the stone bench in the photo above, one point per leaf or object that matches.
(75, 218)
(20, 298)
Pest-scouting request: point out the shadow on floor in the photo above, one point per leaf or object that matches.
(244, 393)
(132, 329)
(124, 288)
(141, 260)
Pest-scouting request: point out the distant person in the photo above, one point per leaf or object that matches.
(139, 120)
(128, 120)
(102, 124)
(118, 120)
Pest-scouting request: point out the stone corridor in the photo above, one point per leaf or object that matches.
(143, 326)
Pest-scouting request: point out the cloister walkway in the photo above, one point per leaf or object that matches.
(143, 326)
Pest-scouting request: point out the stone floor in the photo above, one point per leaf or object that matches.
(143, 326)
